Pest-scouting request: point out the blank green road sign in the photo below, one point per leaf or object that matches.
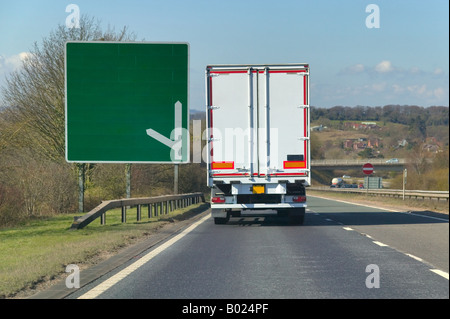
(127, 102)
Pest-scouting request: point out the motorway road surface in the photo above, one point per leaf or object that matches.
(342, 251)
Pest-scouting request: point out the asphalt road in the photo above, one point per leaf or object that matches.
(342, 251)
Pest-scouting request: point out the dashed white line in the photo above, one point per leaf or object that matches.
(380, 244)
(436, 271)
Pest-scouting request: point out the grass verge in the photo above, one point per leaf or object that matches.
(36, 253)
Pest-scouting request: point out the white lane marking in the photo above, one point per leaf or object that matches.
(348, 228)
(414, 257)
(96, 291)
(440, 273)
(380, 244)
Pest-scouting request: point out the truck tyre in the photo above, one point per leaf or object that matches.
(297, 216)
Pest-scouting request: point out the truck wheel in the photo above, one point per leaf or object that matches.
(297, 216)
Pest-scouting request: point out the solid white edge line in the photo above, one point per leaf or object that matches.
(440, 273)
(96, 291)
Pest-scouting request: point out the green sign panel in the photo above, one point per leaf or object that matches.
(127, 102)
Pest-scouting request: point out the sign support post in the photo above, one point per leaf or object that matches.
(405, 172)
(126, 102)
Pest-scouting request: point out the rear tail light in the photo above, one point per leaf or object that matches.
(299, 199)
(218, 200)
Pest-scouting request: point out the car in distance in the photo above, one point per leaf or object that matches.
(392, 161)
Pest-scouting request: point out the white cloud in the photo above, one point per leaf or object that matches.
(440, 93)
(12, 63)
(357, 68)
(384, 67)
(398, 88)
(438, 71)
(378, 87)
(418, 89)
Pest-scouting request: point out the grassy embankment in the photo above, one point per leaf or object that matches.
(36, 253)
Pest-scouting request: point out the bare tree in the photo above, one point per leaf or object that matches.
(34, 95)
(32, 115)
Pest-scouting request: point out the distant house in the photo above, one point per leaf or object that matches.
(374, 142)
(431, 145)
(430, 148)
(361, 143)
(348, 143)
(359, 146)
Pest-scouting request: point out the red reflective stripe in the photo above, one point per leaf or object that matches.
(224, 72)
(232, 174)
(287, 71)
(286, 174)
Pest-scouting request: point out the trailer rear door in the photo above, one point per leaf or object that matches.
(259, 121)
(283, 121)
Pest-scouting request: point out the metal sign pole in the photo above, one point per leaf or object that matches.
(405, 172)
(175, 179)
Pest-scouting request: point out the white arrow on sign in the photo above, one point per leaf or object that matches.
(176, 136)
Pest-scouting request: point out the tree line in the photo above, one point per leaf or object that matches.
(401, 114)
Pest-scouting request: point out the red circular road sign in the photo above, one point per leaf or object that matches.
(367, 168)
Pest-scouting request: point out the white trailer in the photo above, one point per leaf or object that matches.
(258, 140)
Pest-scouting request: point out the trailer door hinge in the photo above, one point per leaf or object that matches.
(213, 107)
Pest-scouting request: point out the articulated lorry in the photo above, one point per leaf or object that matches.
(258, 146)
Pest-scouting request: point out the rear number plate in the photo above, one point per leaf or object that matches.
(258, 189)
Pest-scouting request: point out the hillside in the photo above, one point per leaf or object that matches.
(352, 139)
(374, 139)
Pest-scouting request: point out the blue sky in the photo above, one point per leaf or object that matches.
(404, 61)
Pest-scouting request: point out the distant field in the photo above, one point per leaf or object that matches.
(337, 135)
